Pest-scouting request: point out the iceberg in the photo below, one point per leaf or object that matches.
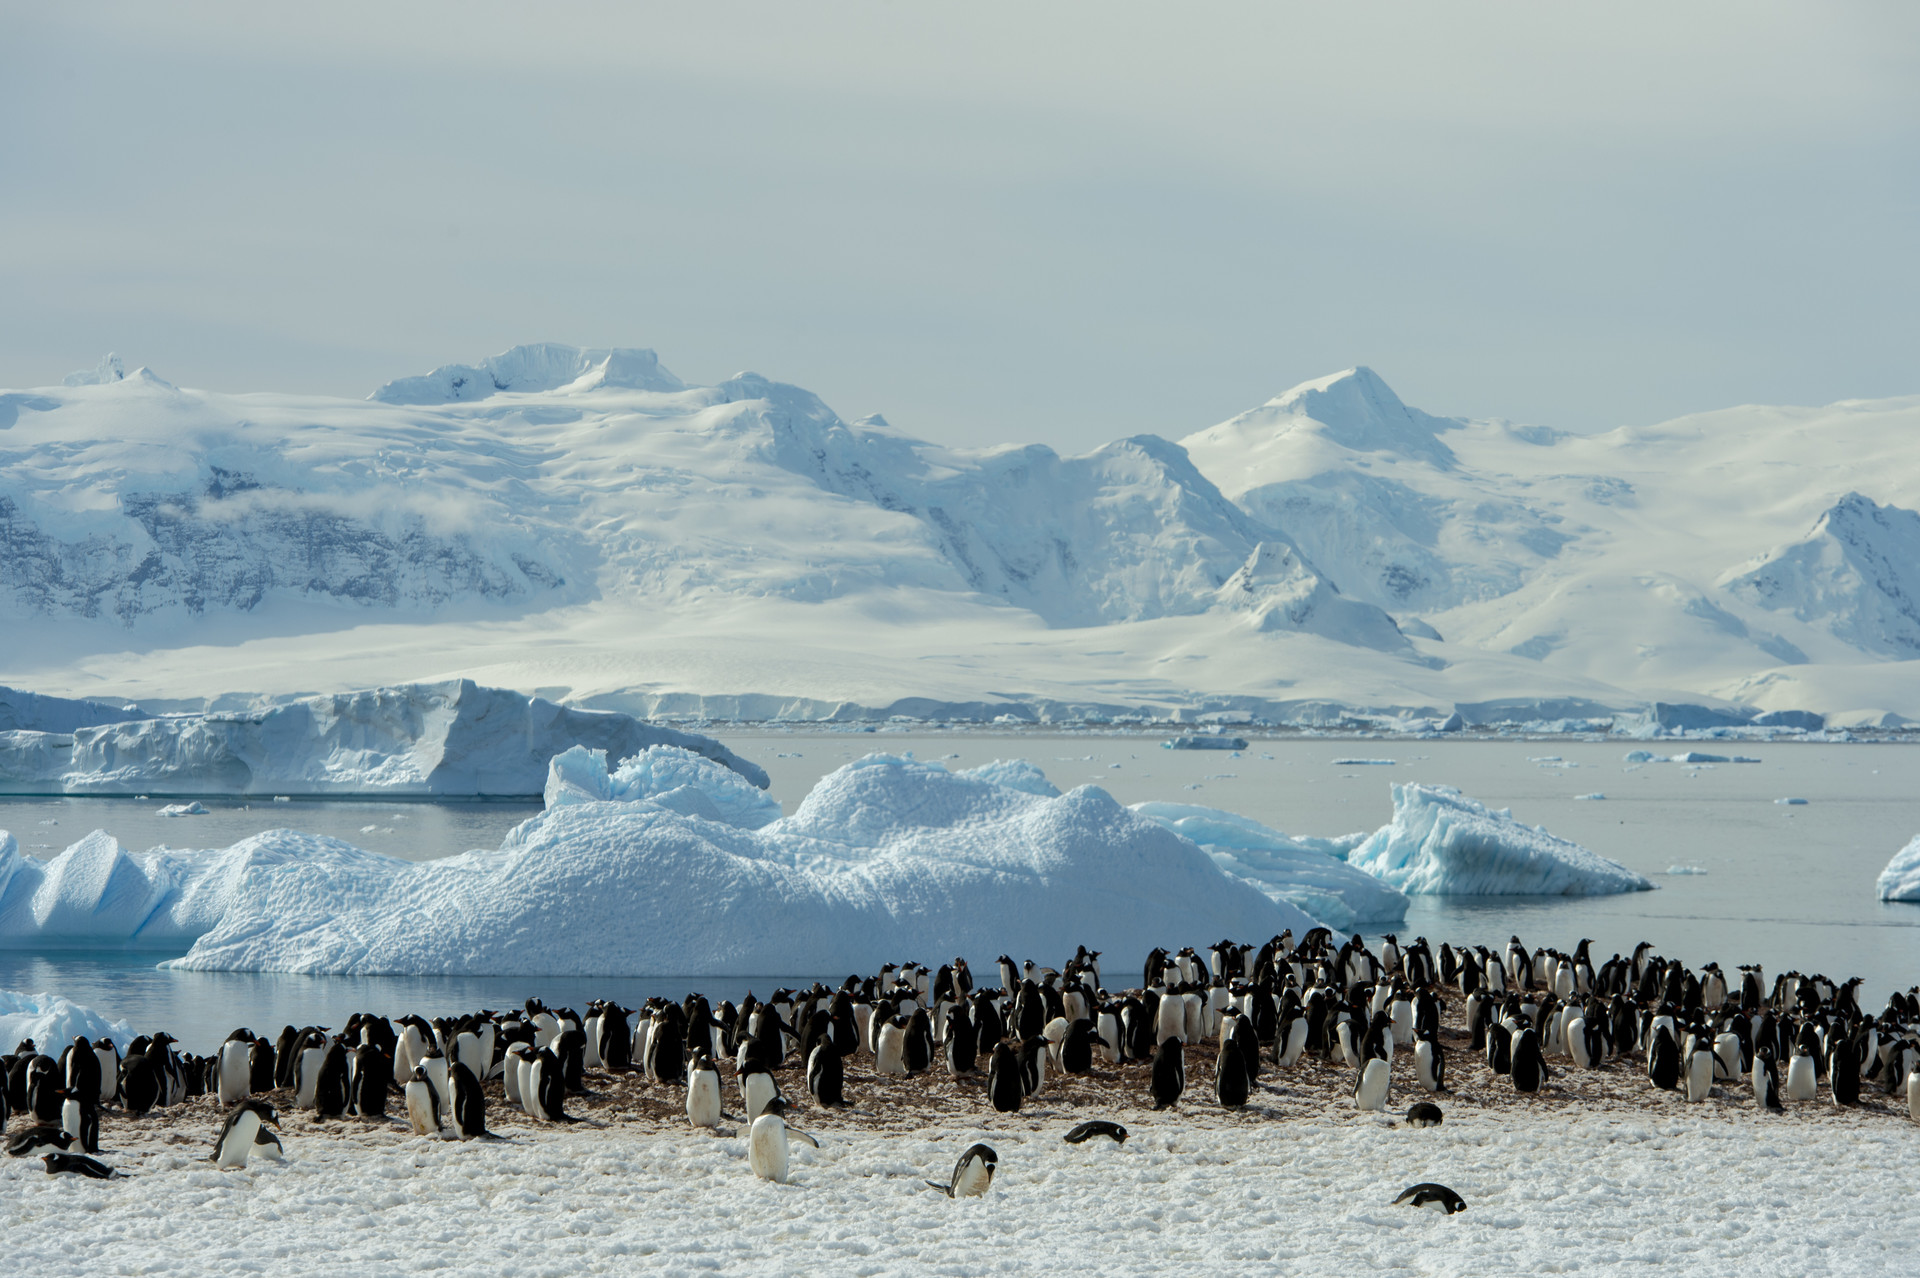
(1309, 873)
(1900, 881)
(53, 1022)
(886, 859)
(1441, 843)
(670, 776)
(451, 738)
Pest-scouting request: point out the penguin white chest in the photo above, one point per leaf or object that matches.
(238, 1142)
(767, 1148)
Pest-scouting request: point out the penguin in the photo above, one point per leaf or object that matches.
(368, 1083)
(1700, 1069)
(235, 1071)
(1169, 1073)
(962, 1048)
(1843, 1073)
(1230, 1074)
(28, 1139)
(890, 1052)
(703, 1092)
(469, 1104)
(972, 1175)
(1913, 1094)
(767, 1142)
(917, 1046)
(1527, 1066)
(1428, 1194)
(330, 1087)
(1373, 1078)
(241, 1131)
(757, 1087)
(548, 1087)
(423, 1104)
(80, 1119)
(1430, 1063)
(826, 1076)
(1423, 1114)
(79, 1164)
(435, 1065)
(1006, 1088)
(1766, 1084)
(309, 1051)
(1076, 1049)
(81, 1068)
(1033, 1065)
(1663, 1060)
(513, 1072)
(1097, 1127)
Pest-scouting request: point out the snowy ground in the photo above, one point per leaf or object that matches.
(1589, 1193)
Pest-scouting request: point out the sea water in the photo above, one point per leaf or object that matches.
(1790, 886)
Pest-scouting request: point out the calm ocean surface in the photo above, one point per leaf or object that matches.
(1787, 886)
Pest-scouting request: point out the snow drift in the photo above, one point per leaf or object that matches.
(53, 1022)
(1309, 873)
(1900, 881)
(886, 859)
(1441, 843)
(451, 738)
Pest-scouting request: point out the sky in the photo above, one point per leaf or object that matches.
(990, 222)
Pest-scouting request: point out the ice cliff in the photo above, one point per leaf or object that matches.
(1900, 881)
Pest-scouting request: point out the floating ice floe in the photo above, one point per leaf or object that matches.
(1441, 843)
(1792, 803)
(1686, 756)
(451, 738)
(885, 858)
(1595, 797)
(1205, 743)
(1309, 873)
(1685, 869)
(1900, 881)
(1363, 763)
(53, 1022)
(183, 810)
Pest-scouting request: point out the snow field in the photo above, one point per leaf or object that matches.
(1596, 1194)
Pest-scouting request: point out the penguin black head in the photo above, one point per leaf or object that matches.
(777, 1107)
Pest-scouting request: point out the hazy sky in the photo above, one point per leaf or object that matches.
(1062, 222)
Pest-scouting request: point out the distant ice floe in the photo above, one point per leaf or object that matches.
(53, 1022)
(1306, 872)
(1364, 763)
(1900, 881)
(1792, 803)
(448, 739)
(1687, 756)
(1595, 797)
(183, 810)
(1441, 843)
(1685, 869)
(886, 857)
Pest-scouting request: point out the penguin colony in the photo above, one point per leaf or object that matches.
(1242, 1015)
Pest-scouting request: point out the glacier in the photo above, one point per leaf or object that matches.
(1442, 843)
(1311, 873)
(53, 1022)
(1900, 881)
(884, 859)
(453, 738)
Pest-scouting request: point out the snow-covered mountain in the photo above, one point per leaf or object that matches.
(583, 525)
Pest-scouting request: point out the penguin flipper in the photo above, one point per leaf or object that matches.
(945, 1189)
(795, 1131)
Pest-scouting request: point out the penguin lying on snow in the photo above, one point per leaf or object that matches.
(1428, 1194)
(79, 1164)
(972, 1175)
(25, 1141)
(242, 1131)
(1097, 1127)
(1424, 1114)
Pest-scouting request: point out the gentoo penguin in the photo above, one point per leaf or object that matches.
(1169, 1073)
(963, 1044)
(81, 1068)
(548, 1087)
(972, 1175)
(1230, 1074)
(1097, 1127)
(28, 1139)
(367, 1083)
(79, 1164)
(890, 1051)
(241, 1131)
(1913, 1094)
(423, 1104)
(235, 1068)
(109, 1056)
(1700, 1065)
(330, 1088)
(1428, 1194)
(1801, 1084)
(1373, 1078)
(80, 1119)
(826, 1075)
(767, 1142)
(309, 1052)
(757, 1088)
(1663, 1060)
(703, 1092)
(1033, 1065)
(435, 1064)
(513, 1073)
(1423, 1114)
(1766, 1084)
(469, 1104)
(1527, 1066)
(1843, 1072)
(1005, 1086)
(1430, 1063)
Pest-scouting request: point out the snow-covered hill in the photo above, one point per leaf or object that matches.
(583, 525)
